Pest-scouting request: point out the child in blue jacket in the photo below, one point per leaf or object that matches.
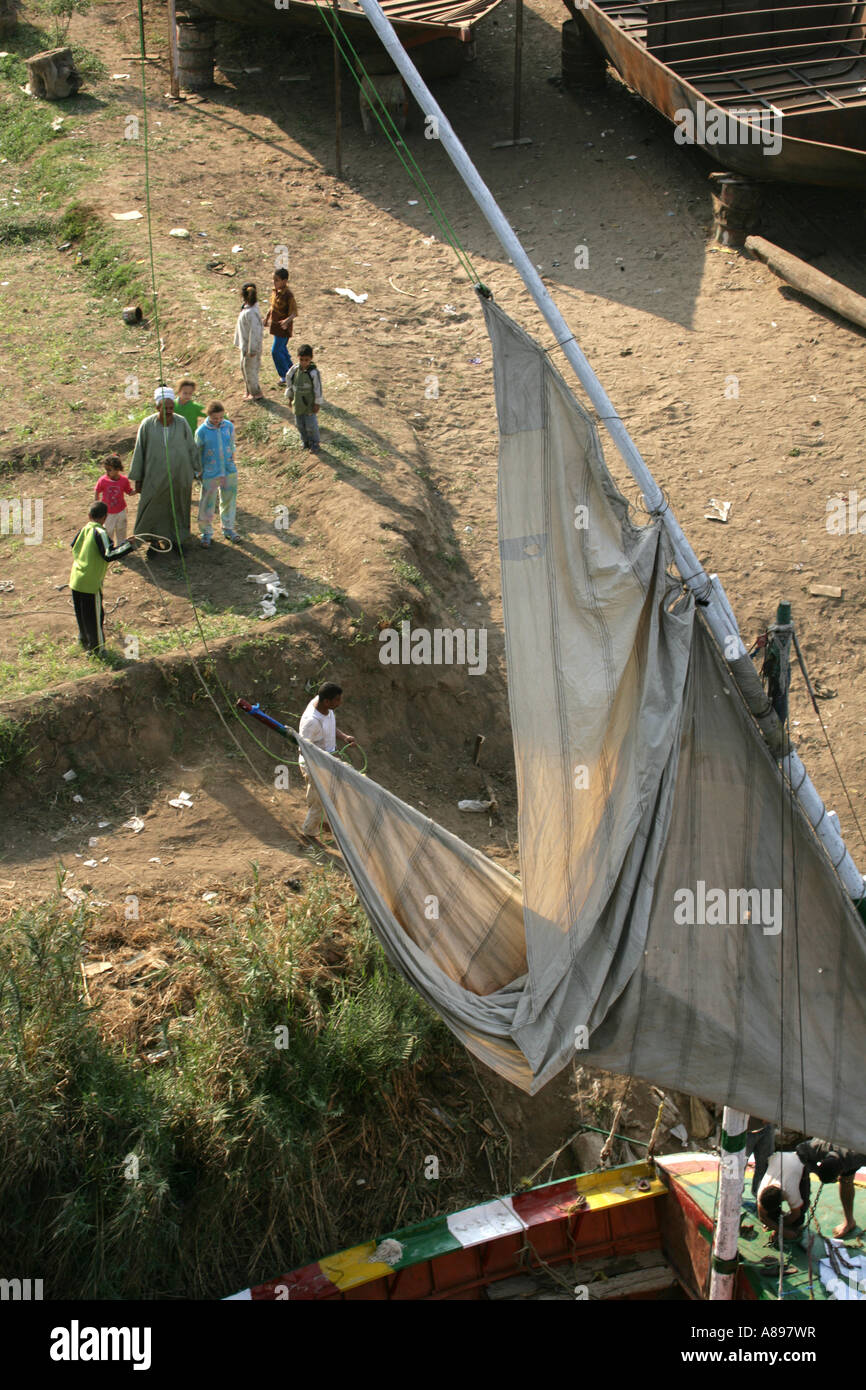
(215, 440)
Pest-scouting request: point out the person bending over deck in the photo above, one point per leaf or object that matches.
(786, 1180)
(832, 1163)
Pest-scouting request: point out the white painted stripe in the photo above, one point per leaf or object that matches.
(486, 1222)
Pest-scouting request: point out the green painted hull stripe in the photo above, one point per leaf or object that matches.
(733, 1143)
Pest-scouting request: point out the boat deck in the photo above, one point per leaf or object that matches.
(695, 1176)
(794, 59)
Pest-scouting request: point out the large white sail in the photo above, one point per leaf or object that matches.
(676, 918)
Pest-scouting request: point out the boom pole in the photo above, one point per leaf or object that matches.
(706, 588)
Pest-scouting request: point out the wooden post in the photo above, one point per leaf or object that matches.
(518, 66)
(516, 138)
(172, 44)
(809, 281)
(338, 112)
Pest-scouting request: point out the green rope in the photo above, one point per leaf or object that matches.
(229, 703)
(398, 144)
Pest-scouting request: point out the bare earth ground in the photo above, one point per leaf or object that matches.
(732, 389)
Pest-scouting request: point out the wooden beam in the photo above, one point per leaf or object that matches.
(809, 281)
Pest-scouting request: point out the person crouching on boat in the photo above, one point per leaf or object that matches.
(832, 1163)
(786, 1180)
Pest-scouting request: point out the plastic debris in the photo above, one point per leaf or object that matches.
(136, 825)
(449, 309)
(94, 840)
(6, 586)
(180, 232)
(474, 805)
(475, 361)
(182, 800)
(236, 249)
(127, 216)
(155, 859)
(75, 895)
(118, 76)
(413, 202)
(680, 1132)
(350, 294)
(97, 967)
(77, 797)
(720, 510)
(209, 897)
(70, 776)
(273, 591)
(103, 824)
(57, 123)
(90, 863)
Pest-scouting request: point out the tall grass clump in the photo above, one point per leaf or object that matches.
(278, 1127)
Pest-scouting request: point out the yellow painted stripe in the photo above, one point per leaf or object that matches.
(353, 1267)
(598, 1200)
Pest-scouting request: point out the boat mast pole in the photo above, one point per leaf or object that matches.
(732, 1168)
(707, 589)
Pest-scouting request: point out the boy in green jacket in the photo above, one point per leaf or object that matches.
(93, 551)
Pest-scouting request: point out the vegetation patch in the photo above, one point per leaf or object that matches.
(112, 273)
(263, 1121)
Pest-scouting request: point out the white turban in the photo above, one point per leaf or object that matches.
(163, 393)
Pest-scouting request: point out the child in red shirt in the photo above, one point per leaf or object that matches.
(112, 489)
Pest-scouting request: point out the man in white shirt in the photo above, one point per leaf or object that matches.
(319, 726)
(786, 1180)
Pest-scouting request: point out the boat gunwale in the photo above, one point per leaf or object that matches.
(803, 153)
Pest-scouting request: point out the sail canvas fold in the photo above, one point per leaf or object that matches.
(646, 798)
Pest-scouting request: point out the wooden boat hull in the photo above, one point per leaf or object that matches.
(826, 147)
(415, 23)
(595, 1222)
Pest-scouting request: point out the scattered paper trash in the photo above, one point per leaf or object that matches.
(720, 510)
(273, 590)
(350, 294)
(209, 897)
(182, 800)
(155, 859)
(449, 309)
(78, 797)
(180, 232)
(97, 967)
(57, 123)
(127, 216)
(236, 249)
(474, 805)
(825, 590)
(70, 776)
(75, 895)
(90, 863)
(136, 825)
(118, 76)
(94, 840)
